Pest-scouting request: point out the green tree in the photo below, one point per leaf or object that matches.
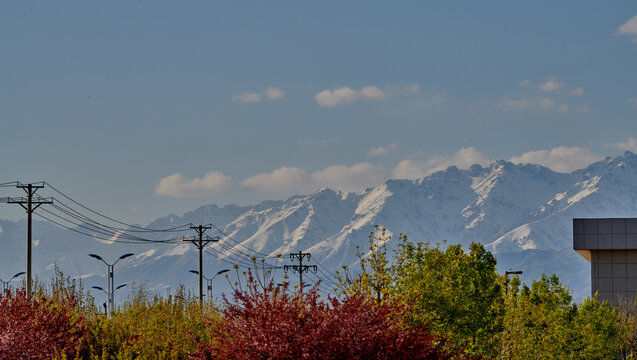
(376, 278)
(457, 293)
(542, 322)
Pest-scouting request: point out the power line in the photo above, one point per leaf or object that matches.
(102, 238)
(100, 230)
(300, 268)
(100, 214)
(76, 214)
(29, 204)
(238, 243)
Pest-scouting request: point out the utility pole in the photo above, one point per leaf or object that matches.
(29, 203)
(200, 244)
(300, 268)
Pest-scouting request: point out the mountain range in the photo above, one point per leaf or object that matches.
(521, 212)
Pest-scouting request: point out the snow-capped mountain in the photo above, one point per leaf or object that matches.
(522, 213)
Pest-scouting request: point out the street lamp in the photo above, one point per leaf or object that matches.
(5, 284)
(209, 281)
(110, 280)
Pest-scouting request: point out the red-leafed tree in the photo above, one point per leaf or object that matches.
(38, 328)
(272, 324)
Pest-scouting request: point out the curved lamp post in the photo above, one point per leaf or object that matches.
(5, 284)
(110, 281)
(209, 281)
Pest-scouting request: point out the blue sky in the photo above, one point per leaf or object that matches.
(141, 109)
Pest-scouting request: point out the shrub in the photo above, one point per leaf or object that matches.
(35, 328)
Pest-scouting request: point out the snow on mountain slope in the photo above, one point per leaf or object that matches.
(513, 209)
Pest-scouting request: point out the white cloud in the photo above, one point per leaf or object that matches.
(542, 103)
(630, 144)
(274, 93)
(175, 185)
(577, 91)
(583, 109)
(346, 95)
(629, 28)
(340, 177)
(349, 178)
(438, 98)
(463, 159)
(525, 83)
(545, 103)
(382, 150)
(632, 101)
(247, 97)
(407, 90)
(1, 231)
(279, 179)
(561, 159)
(271, 93)
(551, 85)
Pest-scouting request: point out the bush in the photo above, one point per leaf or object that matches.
(36, 328)
(269, 323)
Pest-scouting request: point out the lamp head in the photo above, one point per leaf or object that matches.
(18, 274)
(98, 288)
(194, 272)
(96, 256)
(222, 271)
(126, 255)
(121, 286)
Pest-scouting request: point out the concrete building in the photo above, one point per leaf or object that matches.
(610, 245)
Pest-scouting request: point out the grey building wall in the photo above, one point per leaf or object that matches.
(611, 247)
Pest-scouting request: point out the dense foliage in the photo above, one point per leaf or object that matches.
(270, 323)
(419, 302)
(35, 328)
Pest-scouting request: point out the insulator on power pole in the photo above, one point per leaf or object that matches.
(300, 268)
(29, 203)
(200, 243)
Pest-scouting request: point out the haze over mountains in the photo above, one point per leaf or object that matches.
(522, 213)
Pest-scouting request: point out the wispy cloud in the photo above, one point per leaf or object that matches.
(247, 97)
(463, 159)
(630, 144)
(629, 28)
(541, 103)
(293, 179)
(438, 98)
(518, 104)
(550, 95)
(561, 159)
(346, 95)
(551, 85)
(633, 101)
(271, 93)
(382, 150)
(175, 185)
(577, 91)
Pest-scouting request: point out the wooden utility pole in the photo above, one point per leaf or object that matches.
(29, 203)
(200, 243)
